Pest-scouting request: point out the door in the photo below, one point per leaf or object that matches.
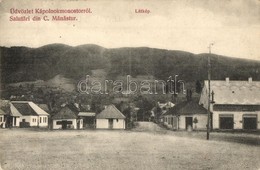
(226, 122)
(64, 124)
(188, 121)
(250, 122)
(110, 123)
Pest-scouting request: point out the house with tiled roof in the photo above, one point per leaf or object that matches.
(27, 114)
(67, 118)
(233, 104)
(110, 118)
(186, 115)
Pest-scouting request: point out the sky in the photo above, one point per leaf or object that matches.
(188, 25)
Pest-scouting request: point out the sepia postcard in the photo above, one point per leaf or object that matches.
(129, 84)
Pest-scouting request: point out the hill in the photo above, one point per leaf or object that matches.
(43, 63)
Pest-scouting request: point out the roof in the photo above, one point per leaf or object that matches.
(187, 108)
(164, 112)
(38, 109)
(65, 113)
(44, 107)
(2, 112)
(166, 105)
(87, 114)
(235, 92)
(26, 108)
(14, 112)
(110, 112)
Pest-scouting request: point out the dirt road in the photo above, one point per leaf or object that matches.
(148, 127)
(147, 147)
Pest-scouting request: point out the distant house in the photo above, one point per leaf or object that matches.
(160, 110)
(4, 112)
(66, 118)
(110, 118)
(186, 115)
(89, 119)
(27, 114)
(234, 104)
(3, 117)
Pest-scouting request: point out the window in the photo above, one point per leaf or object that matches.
(1, 119)
(116, 120)
(226, 121)
(40, 119)
(250, 121)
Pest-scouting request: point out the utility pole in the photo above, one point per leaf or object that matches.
(209, 77)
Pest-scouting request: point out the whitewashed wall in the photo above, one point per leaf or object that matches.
(81, 124)
(17, 121)
(42, 123)
(204, 97)
(2, 123)
(238, 118)
(119, 124)
(173, 123)
(30, 120)
(201, 125)
(102, 124)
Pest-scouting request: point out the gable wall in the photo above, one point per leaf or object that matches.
(119, 124)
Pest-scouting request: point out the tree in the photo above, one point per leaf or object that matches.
(198, 87)
(195, 121)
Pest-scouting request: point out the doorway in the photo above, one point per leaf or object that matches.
(110, 123)
(188, 121)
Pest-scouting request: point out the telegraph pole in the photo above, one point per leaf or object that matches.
(209, 77)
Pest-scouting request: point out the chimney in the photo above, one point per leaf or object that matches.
(250, 79)
(227, 80)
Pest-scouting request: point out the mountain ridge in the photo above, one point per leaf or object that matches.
(25, 63)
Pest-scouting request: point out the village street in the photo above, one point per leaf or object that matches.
(147, 146)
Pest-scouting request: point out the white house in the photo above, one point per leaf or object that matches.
(160, 110)
(2, 118)
(27, 114)
(234, 104)
(186, 115)
(66, 119)
(110, 118)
